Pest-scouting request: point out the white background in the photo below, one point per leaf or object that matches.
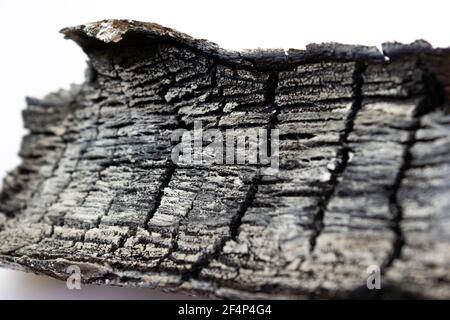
(34, 59)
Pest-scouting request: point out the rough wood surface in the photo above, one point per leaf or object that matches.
(363, 179)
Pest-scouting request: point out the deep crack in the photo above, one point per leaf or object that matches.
(342, 155)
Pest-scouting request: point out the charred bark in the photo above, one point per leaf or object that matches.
(363, 180)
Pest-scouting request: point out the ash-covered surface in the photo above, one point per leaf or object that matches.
(363, 179)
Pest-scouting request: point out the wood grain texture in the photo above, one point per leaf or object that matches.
(363, 180)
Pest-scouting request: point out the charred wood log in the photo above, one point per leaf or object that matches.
(363, 179)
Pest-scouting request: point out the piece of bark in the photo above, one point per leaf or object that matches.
(363, 179)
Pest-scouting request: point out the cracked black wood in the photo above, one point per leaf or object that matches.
(363, 180)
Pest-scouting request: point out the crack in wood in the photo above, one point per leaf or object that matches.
(342, 154)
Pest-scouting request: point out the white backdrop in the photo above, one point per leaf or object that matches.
(34, 59)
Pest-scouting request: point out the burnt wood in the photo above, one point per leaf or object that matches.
(363, 180)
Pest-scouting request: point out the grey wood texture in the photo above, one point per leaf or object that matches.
(363, 179)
